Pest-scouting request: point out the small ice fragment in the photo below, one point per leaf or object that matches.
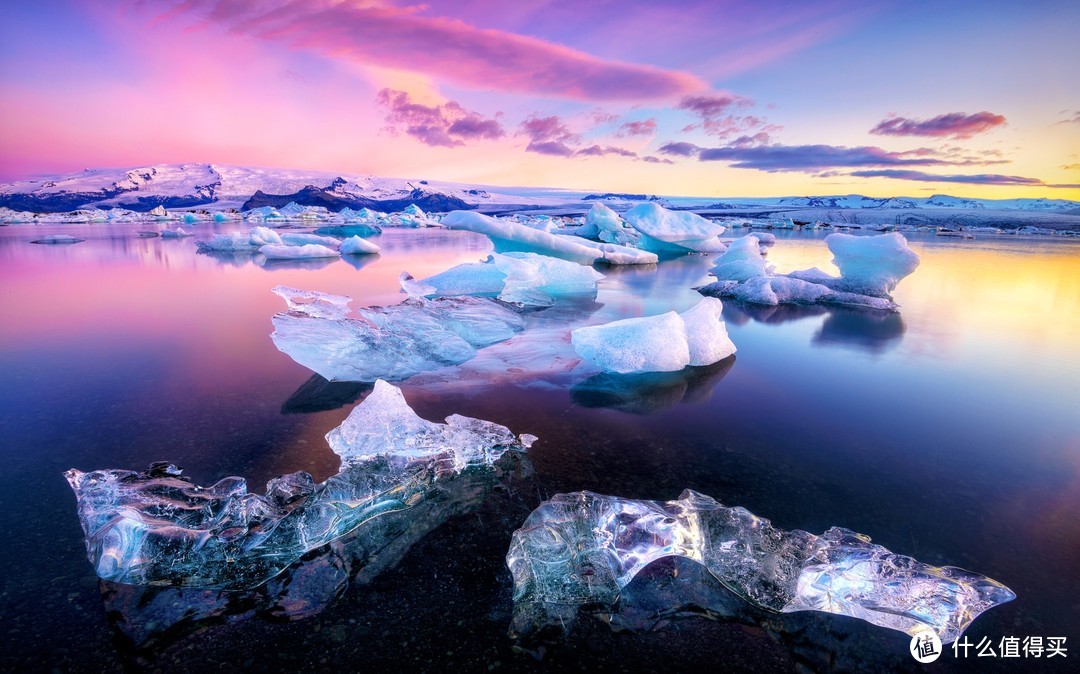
(58, 238)
(583, 548)
(157, 528)
(314, 303)
(355, 245)
(300, 239)
(310, 250)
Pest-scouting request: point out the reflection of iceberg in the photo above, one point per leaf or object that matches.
(650, 392)
(392, 342)
(317, 394)
(156, 528)
(584, 548)
(872, 331)
(152, 617)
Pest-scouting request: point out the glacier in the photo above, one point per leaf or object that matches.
(394, 342)
(665, 343)
(157, 528)
(583, 548)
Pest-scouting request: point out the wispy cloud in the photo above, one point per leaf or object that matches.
(645, 127)
(977, 179)
(679, 149)
(656, 160)
(445, 125)
(602, 150)
(1071, 117)
(817, 158)
(950, 125)
(549, 135)
(405, 38)
(718, 115)
(1071, 167)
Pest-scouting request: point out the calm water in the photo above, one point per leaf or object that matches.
(949, 432)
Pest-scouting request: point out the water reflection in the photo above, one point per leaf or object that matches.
(651, 392)
(148, 618)
(310, 264)
(318, 394)
(867, 330)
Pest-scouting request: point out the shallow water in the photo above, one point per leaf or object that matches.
(947, 432)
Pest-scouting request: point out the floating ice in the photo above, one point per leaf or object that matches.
(583, 548)
(742, 261)
(674, 231)
(605, 224)
(355, 245)
(250, 242)
(58, 238)
(286, 252)
(524, 278)
(346, 231)
(300, 239)
(394, 342)
(664, 343)
(156, 528)
(870, 267)
(177, 233)
(508, 236)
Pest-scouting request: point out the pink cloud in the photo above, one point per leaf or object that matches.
(716, 112)
(950, 125)
(446, 125)
(402, 38)
(645, 127)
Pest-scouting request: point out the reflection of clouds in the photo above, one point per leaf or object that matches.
(650, 392)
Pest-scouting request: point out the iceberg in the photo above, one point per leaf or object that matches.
(300, 239)
(355, 245)
(665, 231)
(349, 230)
(177, 233)
(394, 342)
(665, 343)
(239, 242)
(52, 239)
(869, 265)
(522, 278)
(604, 224)
(509, 236)
(584, 548)
(287, 252)
(157, 528)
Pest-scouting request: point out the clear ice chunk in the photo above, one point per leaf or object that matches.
(394, 342)
(522, 278)
(157, 528)
(302, 252)
(674, 231)
(664, 343)
(869, 265)
(584, 548)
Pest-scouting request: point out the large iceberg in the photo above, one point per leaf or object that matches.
(667, 231)
(584, 548)
(870, 267)
(664, 343)
(508, 236)
(524, 278)
(392, 342)
(156, 528)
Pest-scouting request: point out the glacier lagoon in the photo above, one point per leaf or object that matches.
(945, 431)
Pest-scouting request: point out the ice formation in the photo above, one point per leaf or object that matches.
(674, 231)
(508, 236)
(156, 528)
(288, 252)
(664, 343)
(394, 342)
(177, 233)
(583, 548)
(605, 224)
(524, 278)
(58, 238)
(355, 245)
(870, 267)
(250, 242)
(300, 239)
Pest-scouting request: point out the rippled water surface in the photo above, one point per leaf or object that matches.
(948, 432)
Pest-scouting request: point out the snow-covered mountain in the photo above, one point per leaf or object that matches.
(216, 187)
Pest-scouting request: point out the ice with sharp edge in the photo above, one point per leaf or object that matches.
(664, 343)
(583, 548)
(664, 230)
(394, 342)
(157, 528)
(523, 278)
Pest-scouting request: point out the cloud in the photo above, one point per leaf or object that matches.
(599, 151)
(679, 149)
(404, 38)
(979, 179)
(552, 147)
(656, 160)
(445, 125)
(950, 125)
(816, 158)
(639, 128)
(1071, 167)
(1074, 119)
(549, 135)
(716, 112)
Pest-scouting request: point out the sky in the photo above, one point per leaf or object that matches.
(696, 98)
